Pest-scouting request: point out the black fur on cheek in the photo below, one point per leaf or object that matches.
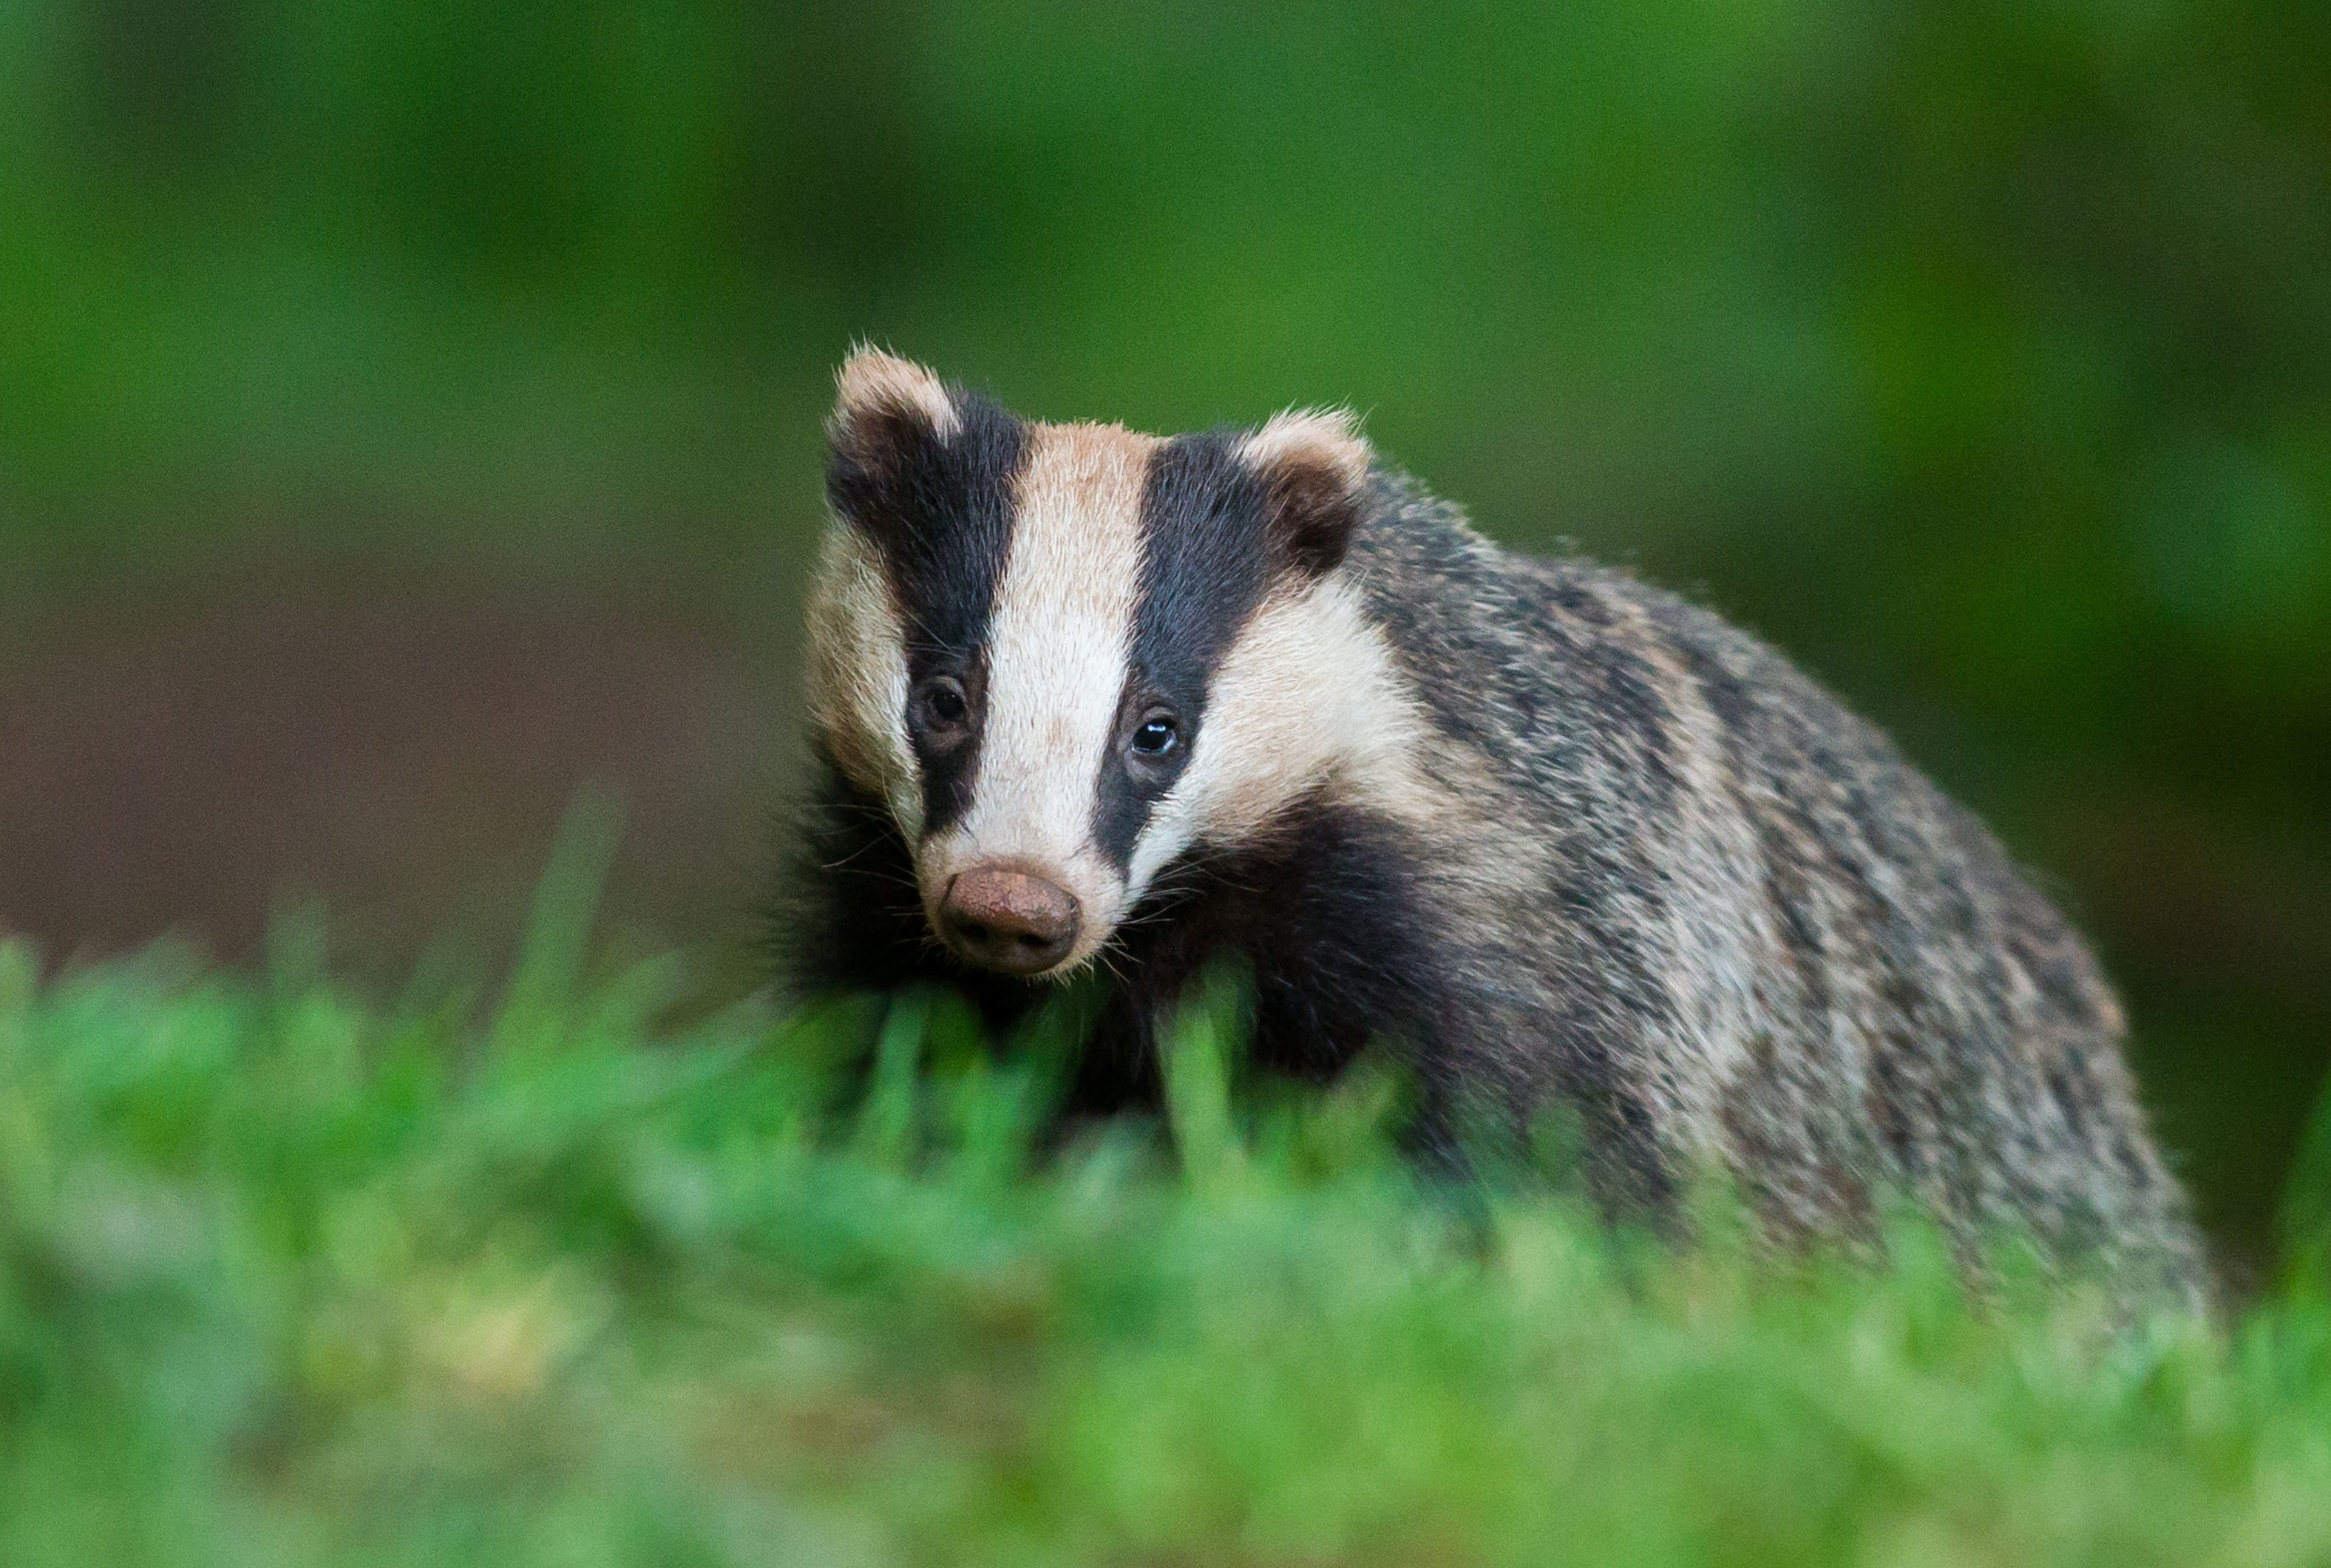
(1331, 920)
(938, 511)
(1324, 914)
(1131, 785)
(948, 756)
(848, 916)
(1335, 922)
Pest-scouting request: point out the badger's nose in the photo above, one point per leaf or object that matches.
(1008, 920)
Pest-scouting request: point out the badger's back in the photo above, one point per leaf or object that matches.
(1828, 973)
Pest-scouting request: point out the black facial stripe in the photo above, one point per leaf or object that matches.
(1207, 557)
(939, 512)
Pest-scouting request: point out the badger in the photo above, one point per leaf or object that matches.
(1088, 701)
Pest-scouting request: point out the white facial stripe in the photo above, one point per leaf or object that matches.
(1308, 696)
(1056, 652)
(857, 676)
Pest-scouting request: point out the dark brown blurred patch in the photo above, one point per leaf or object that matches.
(397, 743)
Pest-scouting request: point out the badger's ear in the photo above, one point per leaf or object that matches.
(888, 414)
(1314, 466)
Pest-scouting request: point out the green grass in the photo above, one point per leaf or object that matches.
(288, 1278)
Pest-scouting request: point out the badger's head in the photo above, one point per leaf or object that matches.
(1065, 654)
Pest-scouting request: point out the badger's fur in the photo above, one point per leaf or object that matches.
(1564, 837)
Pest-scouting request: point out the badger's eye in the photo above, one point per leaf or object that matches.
(1157, 735)
(942, 702)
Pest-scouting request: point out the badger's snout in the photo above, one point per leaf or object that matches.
(1011, 920)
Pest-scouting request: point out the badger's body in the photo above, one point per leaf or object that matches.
(1563, 837)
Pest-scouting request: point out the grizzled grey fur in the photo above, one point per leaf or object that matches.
(1720, 821)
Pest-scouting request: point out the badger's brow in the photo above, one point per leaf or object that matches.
(1097, 470)
(1060, 634)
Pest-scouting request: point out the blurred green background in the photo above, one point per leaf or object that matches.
(408, 409)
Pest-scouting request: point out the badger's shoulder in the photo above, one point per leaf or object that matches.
(1546, 655)
(1583, 683)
